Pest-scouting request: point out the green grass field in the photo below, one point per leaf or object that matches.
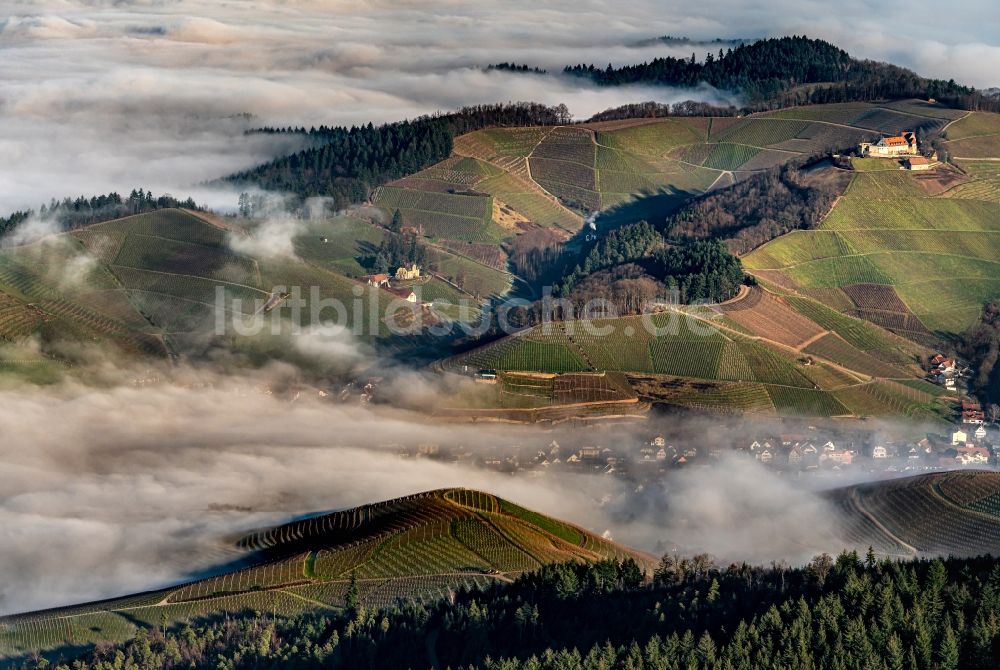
(940, 254)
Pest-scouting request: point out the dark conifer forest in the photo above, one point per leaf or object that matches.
(844, 613)
(347, 163)
(772, 73)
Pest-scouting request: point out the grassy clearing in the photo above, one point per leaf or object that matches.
(348, 242)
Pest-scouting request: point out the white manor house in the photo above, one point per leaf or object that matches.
(904, 144)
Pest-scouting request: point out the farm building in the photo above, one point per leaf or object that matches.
(378, 280)
(904, 144)
(407, 273)
(404, 294)
(918, 163)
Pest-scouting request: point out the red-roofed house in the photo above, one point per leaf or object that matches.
(972, 455)
(904, 144)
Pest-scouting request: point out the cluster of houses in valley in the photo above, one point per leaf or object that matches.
(903, 147)
(946, 371)
(649, 458)
(403, 274)
(979, 447)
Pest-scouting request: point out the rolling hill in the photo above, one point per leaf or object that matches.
(500, 180)
(417, 547)
(844, 315)
(916, 253)
(845, 312)
(949, 513)
(760, 353)
(148, 284)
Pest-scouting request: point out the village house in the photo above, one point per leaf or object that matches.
(959, 437)
(879, 451)
(980, 433)
(837, 457)
(795, 456)
(378, 280)
(904, 144)
(407, 274)
(972, 455)
(972, 412)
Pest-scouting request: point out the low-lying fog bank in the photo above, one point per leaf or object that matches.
(121, 487)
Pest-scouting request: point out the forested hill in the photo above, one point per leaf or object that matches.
(850, 612)
(769, 74)
(347, 163)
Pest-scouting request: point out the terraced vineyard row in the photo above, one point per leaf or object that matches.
(172, 224)
(191, 288)
(834, 348)
(280, 573)
(161, 255)
(917, 514)
(769, 316)
(17, 320)
(727, 398)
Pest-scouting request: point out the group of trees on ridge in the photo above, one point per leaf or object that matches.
(346, 164)
(832, 614)
(71, 213)
(980, 346)
(396, 249)
(636, 264)
(769, 73)
(761, 207)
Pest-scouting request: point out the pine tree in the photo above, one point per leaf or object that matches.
(947, 653)
(351, 598)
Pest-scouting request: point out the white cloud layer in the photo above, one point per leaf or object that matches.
(100, 94)
(138, 488)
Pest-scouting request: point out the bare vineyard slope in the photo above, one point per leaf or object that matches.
(417, 547)
(951, 513)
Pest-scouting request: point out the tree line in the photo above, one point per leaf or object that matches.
(639, 264)
(980, 346)
(769, 73)
(346, 164)
(72, 213)
(656, 110)
(760, 208)
(514, 67)
(691, 614)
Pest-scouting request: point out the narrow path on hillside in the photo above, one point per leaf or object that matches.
(813, 339)
(861, 377)
(947, 125)
(856, 504)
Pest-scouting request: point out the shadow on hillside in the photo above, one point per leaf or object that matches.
(653, 208)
